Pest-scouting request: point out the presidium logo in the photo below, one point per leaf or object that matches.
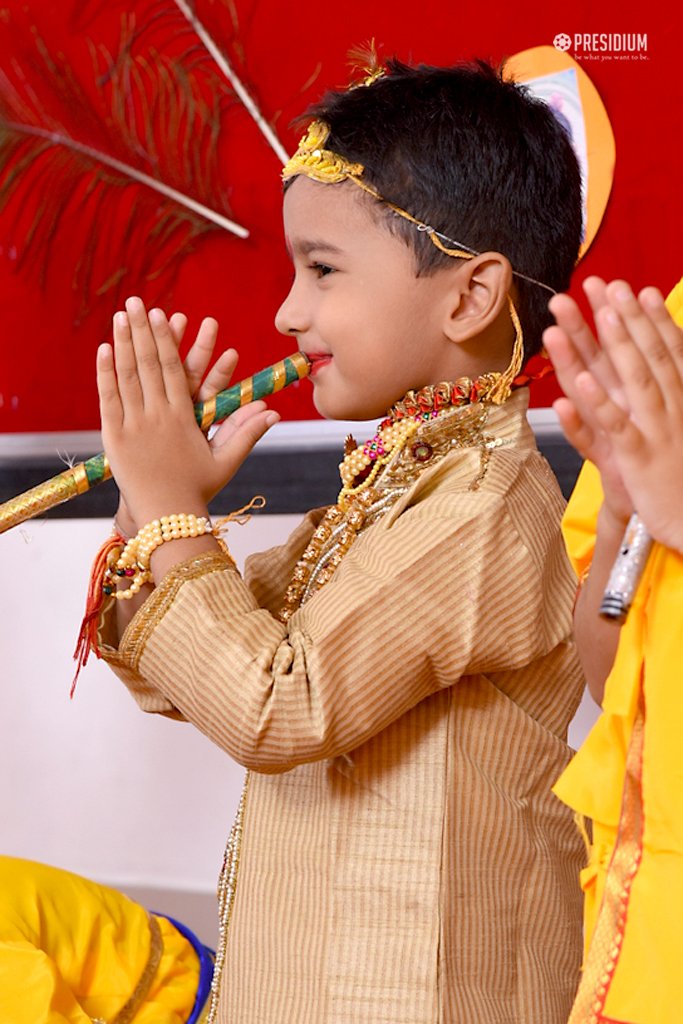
(603, 45)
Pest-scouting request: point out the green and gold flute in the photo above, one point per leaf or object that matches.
(79, 479)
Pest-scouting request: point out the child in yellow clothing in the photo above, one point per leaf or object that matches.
(624, 412)
(75, 952)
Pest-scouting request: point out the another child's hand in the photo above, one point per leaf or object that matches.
(643, 418)
(160, 459)
(574, 351)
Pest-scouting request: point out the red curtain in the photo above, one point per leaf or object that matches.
(287, 55)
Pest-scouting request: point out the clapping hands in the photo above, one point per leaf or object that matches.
(623, 404)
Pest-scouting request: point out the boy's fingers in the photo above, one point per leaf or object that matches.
(199, 356)
(129, 389)
(172, 375)
(146, 354)
(235, 421)
(178, 325)
(220, 375)
(250, 430)
(111, 409)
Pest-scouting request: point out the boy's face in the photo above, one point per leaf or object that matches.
(370, 327)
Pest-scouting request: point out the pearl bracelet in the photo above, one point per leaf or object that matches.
(133, 561)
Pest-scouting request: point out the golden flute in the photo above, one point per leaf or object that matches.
(80, 478)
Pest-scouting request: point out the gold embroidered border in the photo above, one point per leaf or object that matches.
(608, 937)
(227, 888)
(132, 1005)
(143, 624)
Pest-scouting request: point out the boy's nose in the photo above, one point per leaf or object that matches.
(289, 318)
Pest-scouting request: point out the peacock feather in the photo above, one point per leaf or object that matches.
(122, 155)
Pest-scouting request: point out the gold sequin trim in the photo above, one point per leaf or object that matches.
(227, 887)
(156, 947)
(143, 624)
(452, 429)
(608, 937)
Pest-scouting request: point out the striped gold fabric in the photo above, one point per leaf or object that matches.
(403, 860)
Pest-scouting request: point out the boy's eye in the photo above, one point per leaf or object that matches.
(322, 269)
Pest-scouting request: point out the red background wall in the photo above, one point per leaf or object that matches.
(47, 347)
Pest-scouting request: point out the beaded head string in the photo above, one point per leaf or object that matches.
(325, 166)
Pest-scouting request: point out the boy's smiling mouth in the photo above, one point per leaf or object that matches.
(318, 360)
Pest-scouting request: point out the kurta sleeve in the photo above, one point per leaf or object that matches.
(446, 588)
(266, 574)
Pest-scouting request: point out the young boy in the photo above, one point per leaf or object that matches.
(624, 413)
(399, 677)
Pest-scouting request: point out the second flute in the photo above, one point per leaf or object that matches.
(80, 478)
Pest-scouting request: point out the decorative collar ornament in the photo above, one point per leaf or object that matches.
(363, 463)
(422, 428)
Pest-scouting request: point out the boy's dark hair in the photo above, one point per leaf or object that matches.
(477, 158)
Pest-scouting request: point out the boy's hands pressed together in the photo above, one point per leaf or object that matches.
(178, 324)
(160, 459)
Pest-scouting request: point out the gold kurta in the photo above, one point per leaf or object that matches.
(403, 860)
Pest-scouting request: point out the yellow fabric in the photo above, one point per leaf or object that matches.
(72, 951)
(647, 986)
(402, 857)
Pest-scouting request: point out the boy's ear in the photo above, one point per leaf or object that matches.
(478, 295)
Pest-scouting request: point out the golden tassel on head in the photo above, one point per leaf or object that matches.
(365, 59)
(311, 158)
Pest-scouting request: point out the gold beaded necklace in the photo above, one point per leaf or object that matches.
(375, 474)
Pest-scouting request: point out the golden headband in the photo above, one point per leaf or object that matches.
(313, 160)
(327, 167)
